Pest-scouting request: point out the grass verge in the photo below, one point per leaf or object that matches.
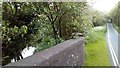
(96, 52)
(116, 28)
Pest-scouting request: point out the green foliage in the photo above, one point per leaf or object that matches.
(92, 36)
(117, 28)
(96, 51)
(18, 30)
(42, 24)
(98, 18)
(115, 16)
(46, 43)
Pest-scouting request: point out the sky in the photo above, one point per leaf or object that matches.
(103, 5)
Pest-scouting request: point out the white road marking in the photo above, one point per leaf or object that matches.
(114, 57)
(112, 54)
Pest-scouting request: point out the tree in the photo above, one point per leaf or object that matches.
(43, 24)
(19, 28)
(115, 16)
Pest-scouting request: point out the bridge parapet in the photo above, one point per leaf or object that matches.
(68, 53)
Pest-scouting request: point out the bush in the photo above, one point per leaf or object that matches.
(94, 34)
(46, 43)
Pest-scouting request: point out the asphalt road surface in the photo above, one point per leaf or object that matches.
(113, 45)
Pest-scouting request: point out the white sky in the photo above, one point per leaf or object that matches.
(103, 5)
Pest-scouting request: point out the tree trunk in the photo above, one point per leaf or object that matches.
(54, 32)
(60, 31)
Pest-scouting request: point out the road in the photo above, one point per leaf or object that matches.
(113, 38)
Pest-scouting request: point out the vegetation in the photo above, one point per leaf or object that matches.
(19, 28)
(115, 16)
(44, 24)
(37, 23)
(117, 28)
(96, 50)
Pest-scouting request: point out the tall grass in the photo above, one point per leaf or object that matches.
(94, 34)
(96, 51)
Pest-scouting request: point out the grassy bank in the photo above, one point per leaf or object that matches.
(96, 50)
(116, 28)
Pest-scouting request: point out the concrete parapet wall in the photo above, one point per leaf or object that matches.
(68, 53)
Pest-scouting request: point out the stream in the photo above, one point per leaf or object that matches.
(28, 51)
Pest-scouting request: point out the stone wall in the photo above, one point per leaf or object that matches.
(68, 53)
